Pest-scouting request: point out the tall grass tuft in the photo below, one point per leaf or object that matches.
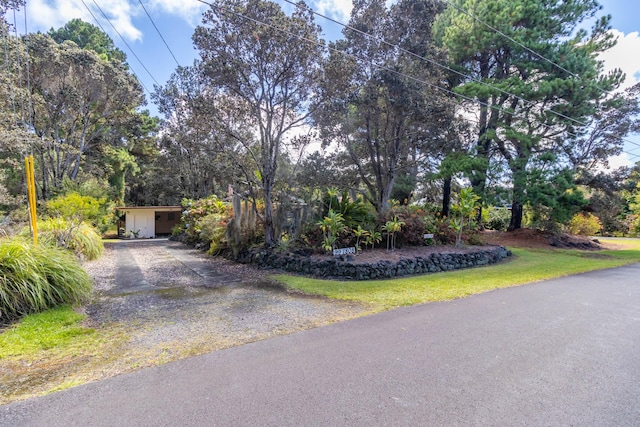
(35, 278)
(81, 238)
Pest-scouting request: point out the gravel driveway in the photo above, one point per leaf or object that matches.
(176, 301)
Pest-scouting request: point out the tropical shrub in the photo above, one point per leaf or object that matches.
(353, 213)
(464, 212)
(497, 218)
(79, 238)
(205, 221)
(332, 225)
(211, 231)
(414, 226)
(392, 227)
(584, 224)
(78, 208)
(35, 278)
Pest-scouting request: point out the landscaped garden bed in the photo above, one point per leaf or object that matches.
(377, 264)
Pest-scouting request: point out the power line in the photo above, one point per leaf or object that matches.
(125, 42)
(256, 21)
(445, 67)
(511, 39)
(431, 61)
(159, 33)
(103, 30)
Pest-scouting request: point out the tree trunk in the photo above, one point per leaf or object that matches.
(516, 216)
(446, 196)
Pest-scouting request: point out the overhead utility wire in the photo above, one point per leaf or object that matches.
(431, 61)
(103, 30)
(125, 42)
(159, 33)
(511, 39)
(435, 86)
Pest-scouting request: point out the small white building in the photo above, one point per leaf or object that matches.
(146, 222)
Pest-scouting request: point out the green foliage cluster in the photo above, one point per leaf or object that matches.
(464, 213)
(497, 218)
(204, 221)
(77, 208)
(35, 278)
(354, 212)
(584, 224)
(402, 225)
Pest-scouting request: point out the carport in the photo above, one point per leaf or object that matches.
(147, 221)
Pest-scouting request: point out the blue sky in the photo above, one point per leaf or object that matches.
(176, 20)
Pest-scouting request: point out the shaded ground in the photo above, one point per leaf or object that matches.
(157, 301)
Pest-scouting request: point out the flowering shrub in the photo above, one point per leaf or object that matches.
(205, 221)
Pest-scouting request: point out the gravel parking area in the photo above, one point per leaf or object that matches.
(175, 301)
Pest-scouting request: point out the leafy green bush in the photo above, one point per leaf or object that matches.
(497, 218)
(212, 230)
(440, 227)
(353, 213)
(584, 224)
(35, 278)
(80, 238)
(204, 221)
(79, 208)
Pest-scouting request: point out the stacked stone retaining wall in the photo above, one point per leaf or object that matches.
(344, 267)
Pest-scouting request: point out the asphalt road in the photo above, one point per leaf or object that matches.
(557, 353)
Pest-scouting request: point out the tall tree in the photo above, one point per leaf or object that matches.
(90, 37)
(79, 102)
(379, 98)
(261, 66)
(528, 105)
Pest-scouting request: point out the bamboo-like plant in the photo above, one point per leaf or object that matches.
(360, 233)
(392, 227)
(331, 225)
(372, 238)
(466, 208)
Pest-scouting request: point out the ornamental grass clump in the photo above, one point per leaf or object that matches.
(35, 278)
(78, 237)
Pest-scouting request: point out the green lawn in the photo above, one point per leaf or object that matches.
(526, 266)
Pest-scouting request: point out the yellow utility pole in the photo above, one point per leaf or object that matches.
(31, 193)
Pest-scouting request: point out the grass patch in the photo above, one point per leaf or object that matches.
(527, 266)
(56, 329)
(53, 350)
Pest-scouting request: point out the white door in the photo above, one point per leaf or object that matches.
(143, 224)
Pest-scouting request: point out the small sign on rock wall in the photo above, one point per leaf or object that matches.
(344, 251)
(428, 236)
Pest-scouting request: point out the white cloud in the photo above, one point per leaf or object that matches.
(45, 14)
(624, 55)
(189, 10)
(337, 9)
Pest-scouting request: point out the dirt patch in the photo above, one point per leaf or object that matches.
(537, 239)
